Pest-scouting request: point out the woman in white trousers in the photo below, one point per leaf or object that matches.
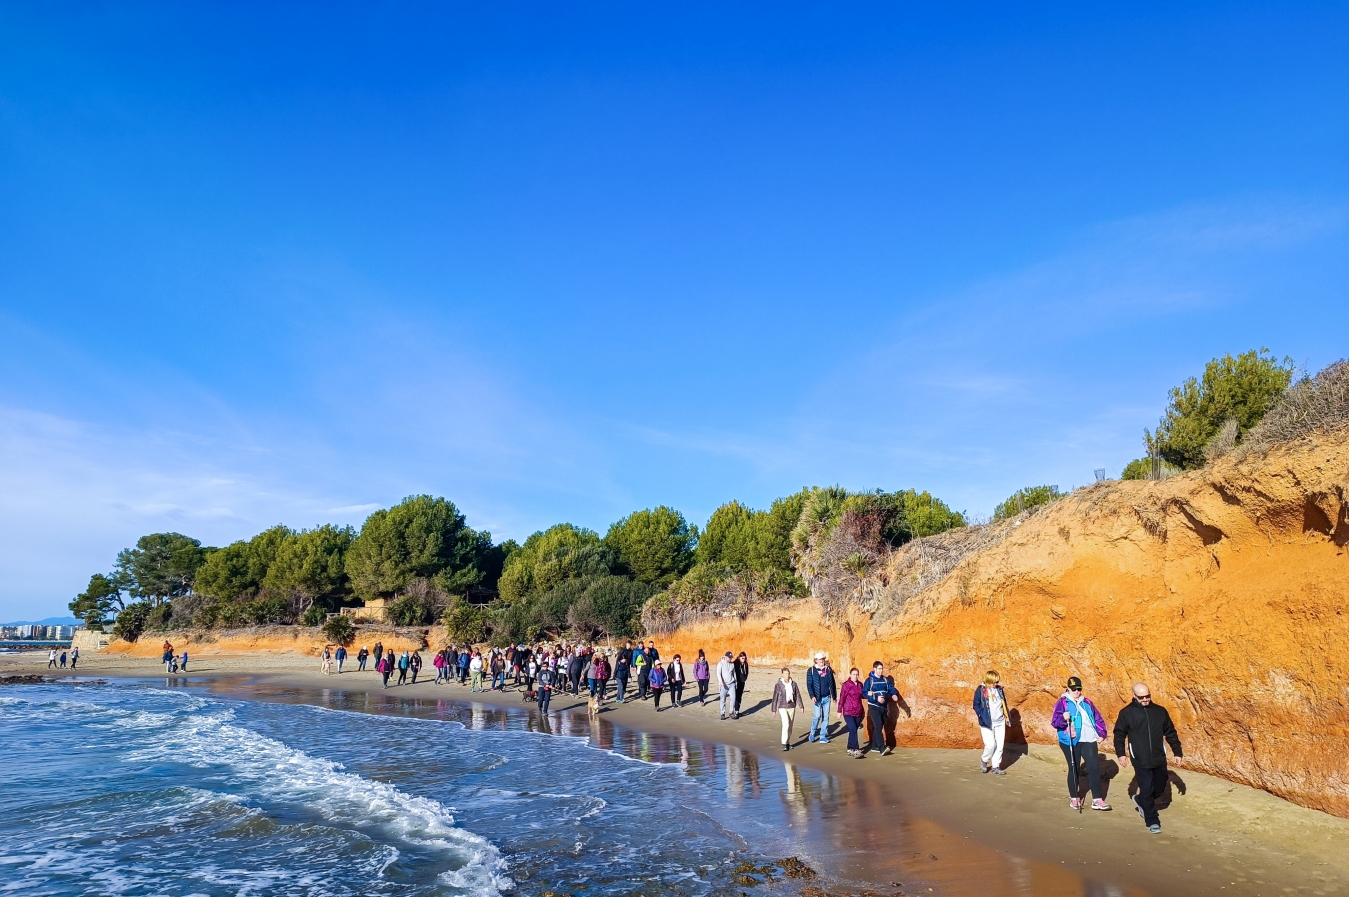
(786, 701)
(990, 706)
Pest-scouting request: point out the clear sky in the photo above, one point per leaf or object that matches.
(559, 262)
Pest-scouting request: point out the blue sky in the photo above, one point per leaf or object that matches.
(565, 262)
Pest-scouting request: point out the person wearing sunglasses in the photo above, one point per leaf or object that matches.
(1081, 727)
(1141, 733)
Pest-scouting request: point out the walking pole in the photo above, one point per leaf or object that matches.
(1072, 753)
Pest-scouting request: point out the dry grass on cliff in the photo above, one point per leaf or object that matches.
(917, 567)
(1313, 406)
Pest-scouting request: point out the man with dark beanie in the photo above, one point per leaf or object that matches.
(1145, 726)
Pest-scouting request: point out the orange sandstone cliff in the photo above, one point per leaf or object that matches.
(1224, 590)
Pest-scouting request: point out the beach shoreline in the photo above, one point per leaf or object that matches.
(1218, 837)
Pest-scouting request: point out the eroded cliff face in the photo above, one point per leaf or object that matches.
(1225, 590)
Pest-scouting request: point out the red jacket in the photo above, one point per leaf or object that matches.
(850, 698)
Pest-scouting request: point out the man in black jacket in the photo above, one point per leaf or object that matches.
(1145, 725)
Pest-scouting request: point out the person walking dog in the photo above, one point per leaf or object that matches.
(1140, 731)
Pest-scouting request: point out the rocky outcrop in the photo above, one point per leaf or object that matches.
(1225, 590)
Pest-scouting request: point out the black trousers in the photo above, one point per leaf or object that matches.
(1086, 754)
(1151, 785)
(702, 690)
(643, 683)
(853, 722)
(877, 716)
(739, 694)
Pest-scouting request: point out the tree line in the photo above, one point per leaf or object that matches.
(431, 567)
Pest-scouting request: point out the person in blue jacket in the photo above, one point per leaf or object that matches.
(880, 693)
(990, 708)
(823, 690)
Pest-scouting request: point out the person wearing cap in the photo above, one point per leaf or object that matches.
(822, 689)
(1140, 729)
(1081, 727)
(990, 708)
(726, 682)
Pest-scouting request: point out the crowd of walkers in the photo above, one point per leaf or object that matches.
(866, 704)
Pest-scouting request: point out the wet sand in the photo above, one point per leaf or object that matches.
(923, 818)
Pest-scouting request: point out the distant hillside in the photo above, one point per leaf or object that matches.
(50, 621)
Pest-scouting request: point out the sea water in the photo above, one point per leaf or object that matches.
(137, 788)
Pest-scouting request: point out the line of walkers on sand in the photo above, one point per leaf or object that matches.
(867, 704)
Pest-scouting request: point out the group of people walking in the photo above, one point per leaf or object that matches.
(866, 704)
(1143, 731)
(59, 663)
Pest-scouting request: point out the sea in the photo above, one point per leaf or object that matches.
(136, 788)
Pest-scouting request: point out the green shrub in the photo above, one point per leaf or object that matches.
(313, 616)
(340, 630)
(130, 622)
(1024, 499)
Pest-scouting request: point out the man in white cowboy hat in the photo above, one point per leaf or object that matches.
(823, 690)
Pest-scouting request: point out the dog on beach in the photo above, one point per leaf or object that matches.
(530, 695)
(594, 707)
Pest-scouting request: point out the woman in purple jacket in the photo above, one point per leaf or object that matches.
(702, 674)
(1081, 727)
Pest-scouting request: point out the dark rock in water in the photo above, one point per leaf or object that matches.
(24, 679)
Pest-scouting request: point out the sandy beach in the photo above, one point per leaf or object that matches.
(1218, 837)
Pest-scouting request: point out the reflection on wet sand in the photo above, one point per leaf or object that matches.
(856, 832)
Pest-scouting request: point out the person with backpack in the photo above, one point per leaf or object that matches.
(880, 692)
(1141, 731)
(823, 690)
(990, 709)
(378, 653)
(362, 656)
(601, 676)
(1081, 727)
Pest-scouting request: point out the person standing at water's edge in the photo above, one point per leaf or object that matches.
(1081, 727)
(547, 677)
(74, 657)
(340, 655)
(852, 705)
(361, 657)
(656, 683)
(879, 694)
(990, 707)
(674, 680)
(823, 690)
(1141, 732)
(786, 701)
